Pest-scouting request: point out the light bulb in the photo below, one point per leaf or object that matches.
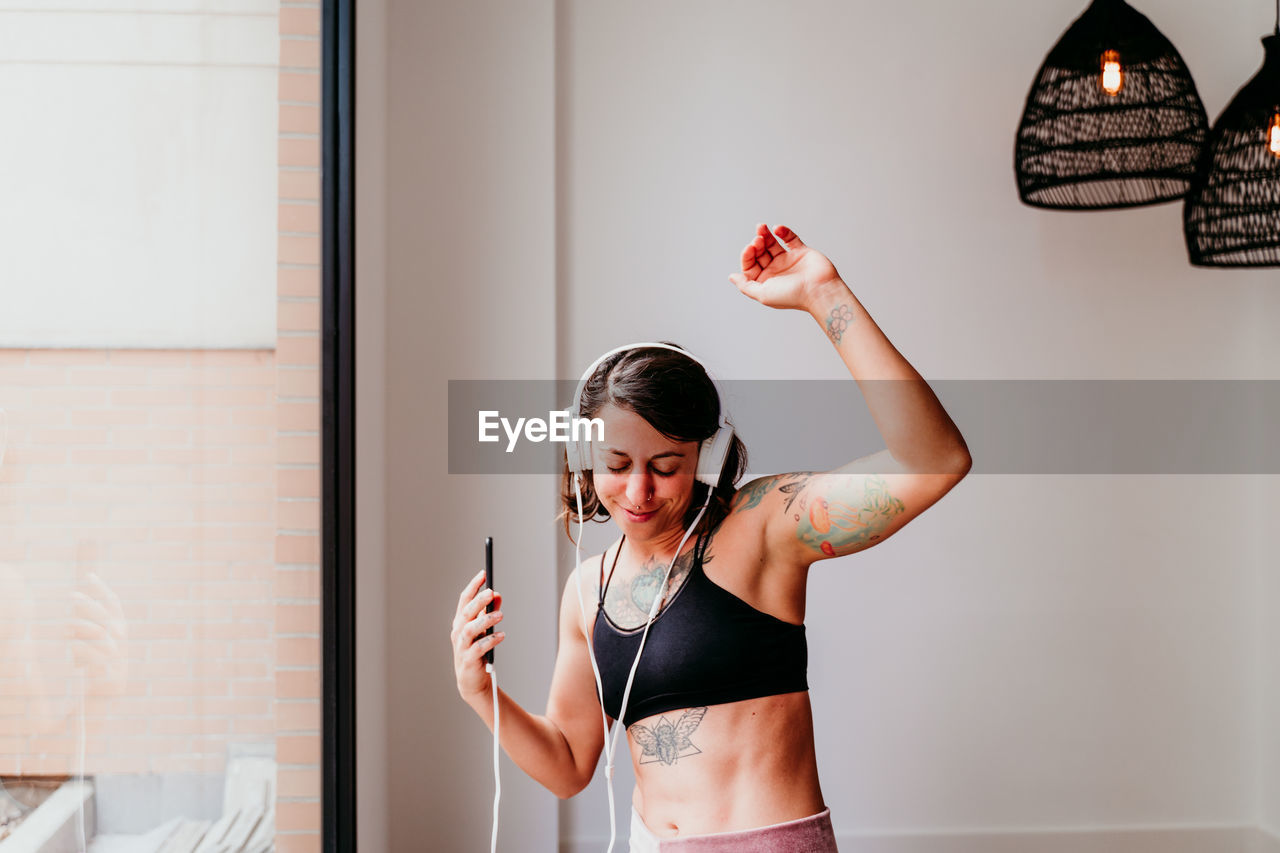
(1112, 76)
(1273, 135)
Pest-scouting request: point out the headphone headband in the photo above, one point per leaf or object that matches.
(714, 450)
(586, 377)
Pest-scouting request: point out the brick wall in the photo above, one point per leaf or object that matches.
(154, 471)
(297, 573)
(188, 482)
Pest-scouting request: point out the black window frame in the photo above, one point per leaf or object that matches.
(337, 424)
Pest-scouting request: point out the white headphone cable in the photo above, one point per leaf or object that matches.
(595, 668)
(578, 460)
(497, 778)
(653, 613)
(611, 743)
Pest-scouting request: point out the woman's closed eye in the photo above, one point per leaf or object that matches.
(657, 471)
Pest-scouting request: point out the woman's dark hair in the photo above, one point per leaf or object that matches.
(674, 394)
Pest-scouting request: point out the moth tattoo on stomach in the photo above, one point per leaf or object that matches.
(666, 741)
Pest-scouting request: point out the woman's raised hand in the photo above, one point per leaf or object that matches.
(786, 274)
(469, 640)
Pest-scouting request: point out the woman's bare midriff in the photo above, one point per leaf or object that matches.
(755, 767)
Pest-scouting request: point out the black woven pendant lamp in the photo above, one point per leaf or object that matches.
(1113, 119)
(1232, 214)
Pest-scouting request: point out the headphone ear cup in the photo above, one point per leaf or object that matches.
(712, 456)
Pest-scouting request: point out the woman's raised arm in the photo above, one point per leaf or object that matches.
(814, 516)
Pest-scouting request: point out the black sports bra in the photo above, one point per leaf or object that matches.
(705, 647)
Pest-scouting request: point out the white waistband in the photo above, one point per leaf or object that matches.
(642, 838)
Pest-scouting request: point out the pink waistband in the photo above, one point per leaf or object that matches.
(811, 834)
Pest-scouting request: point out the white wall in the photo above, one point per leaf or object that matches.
(1267, 491)
(470, 293)
(1034, 653)
(140, 187)
(373, 778)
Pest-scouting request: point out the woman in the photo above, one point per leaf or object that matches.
(718, 723)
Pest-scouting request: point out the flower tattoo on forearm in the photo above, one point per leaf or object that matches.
(838, 321)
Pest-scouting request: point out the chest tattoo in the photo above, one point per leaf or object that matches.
(628, 603)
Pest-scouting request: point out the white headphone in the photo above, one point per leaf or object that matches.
(578, 454)
(713, 451)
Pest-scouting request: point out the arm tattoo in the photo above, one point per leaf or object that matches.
(792, 490)
(666, 741)
(838, 321)
(829, 526)
(750, 495)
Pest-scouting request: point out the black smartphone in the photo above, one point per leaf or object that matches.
(488, 581)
